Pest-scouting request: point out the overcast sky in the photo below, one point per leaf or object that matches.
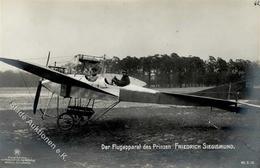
(222, 28)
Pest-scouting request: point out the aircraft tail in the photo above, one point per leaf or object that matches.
(236, 90)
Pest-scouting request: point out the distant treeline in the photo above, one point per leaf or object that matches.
(160, 71)
(176, 71)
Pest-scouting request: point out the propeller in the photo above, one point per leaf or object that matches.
(39, 88)
(37, 96)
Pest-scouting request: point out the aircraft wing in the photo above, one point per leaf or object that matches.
(145, 95)
(52, 75)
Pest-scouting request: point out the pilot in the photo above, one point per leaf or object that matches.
(123, 81)
(93, 75)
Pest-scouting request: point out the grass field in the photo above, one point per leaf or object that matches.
(132, 124)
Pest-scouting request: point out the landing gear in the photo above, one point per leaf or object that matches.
(75, 115)
(65, 121)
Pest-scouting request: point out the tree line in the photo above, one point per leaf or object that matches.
(176, 71)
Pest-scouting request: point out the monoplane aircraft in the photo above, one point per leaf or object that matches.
(76, 85)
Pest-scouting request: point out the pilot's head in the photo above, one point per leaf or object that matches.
(94, 71)
(124, 72)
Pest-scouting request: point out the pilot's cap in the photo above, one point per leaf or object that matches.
(124, 71)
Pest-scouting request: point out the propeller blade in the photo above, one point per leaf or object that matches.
(37, 96)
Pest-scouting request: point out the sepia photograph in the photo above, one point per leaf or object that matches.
(129, 83)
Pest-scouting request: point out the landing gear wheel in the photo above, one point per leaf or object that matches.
(78, 119)
(65, 121)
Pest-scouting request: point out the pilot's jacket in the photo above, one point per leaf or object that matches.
(123, 82)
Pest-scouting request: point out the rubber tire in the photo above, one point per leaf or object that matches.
(60, 117)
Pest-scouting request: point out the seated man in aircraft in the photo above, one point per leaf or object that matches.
(122, 82)
(93, 75)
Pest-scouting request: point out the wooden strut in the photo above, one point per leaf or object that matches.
(44, 113)
(106, 111)
(47, 105)
(58, 104)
